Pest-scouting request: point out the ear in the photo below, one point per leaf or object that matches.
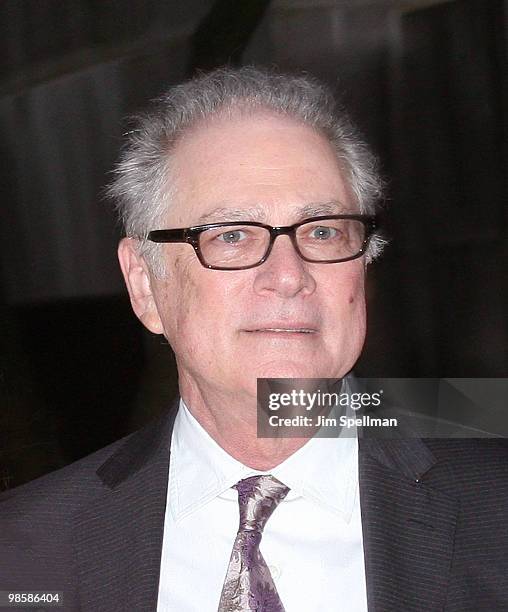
(137, 279)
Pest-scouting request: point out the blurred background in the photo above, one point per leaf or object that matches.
(426, 80)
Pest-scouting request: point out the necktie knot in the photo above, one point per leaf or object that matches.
(258, 496)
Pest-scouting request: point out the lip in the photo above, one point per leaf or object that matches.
(284, 327)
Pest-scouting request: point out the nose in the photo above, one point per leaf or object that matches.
(284, 272)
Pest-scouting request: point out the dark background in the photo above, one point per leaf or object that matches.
(425, 80)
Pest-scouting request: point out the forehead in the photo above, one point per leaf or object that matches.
(272, 167)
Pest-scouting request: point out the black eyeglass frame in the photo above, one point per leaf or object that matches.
(190, 235)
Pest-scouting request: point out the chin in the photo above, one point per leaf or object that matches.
(289, 369)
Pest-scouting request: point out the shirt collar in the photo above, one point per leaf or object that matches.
(323, 471)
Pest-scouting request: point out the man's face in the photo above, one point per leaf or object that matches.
(221, 324)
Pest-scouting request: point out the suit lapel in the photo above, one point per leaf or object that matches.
(119, 532)
(408, 527)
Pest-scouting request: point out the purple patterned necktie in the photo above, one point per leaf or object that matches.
(249, 586)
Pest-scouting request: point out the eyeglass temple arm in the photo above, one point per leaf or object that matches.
(168, 235)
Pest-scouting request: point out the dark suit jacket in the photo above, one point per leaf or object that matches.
(434, 517)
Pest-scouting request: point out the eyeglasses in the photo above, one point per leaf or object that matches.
(239, 245)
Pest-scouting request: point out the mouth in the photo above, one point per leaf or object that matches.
(283, 330)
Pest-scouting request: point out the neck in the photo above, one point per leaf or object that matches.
(231, 420)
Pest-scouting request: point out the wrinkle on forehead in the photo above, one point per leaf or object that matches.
(258, 213)
(257, 169)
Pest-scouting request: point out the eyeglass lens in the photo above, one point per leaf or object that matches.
(245, 245)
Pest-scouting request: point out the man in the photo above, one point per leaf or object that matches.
(248, 203)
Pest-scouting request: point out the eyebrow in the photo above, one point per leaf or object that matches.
(220, 214)
(257, 213)
(321, 208)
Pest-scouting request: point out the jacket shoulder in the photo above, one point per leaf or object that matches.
(475, 470)
(37, 526)
(470, 452)
(59, 490)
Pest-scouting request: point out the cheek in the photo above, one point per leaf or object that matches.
(347, 289)
(200, 299)
(186, 291)
(356, 297)
(356, 293)
(175, 298)
(346, 307)
(190, 305)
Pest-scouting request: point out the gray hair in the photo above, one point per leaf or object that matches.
(143, 187)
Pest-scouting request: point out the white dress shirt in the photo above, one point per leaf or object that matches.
(312, 543)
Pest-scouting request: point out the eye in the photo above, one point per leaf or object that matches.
(323, 233)
(232, 236)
